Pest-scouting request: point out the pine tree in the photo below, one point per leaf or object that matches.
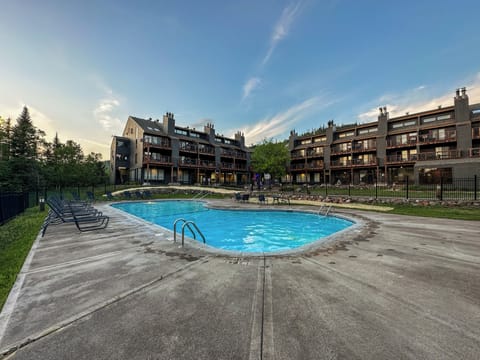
(23, 154)
(24, 137)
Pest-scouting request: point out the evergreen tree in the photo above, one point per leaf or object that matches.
(23, 154)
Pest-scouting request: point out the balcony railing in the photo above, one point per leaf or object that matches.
(164, 144)
(314, 165)
(296, 155)
(188, 148)
(392, 159)
(232, 166)
(157, 159)
(341, 164)
(434, 137)
(207, 164)
(362, 147)
(440, 155)
(315, 153)
(474, 152)
(233, 154)
(476, 133)
(188, 162)
(364, 162)
(206, 150)
(394, 143)
(338, 150)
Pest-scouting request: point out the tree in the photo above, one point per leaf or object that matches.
(24, 141)
(270, 157)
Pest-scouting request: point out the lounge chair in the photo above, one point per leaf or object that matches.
(262, 199)
(90, 196)
(110, 196)
(127, 195)
(147, 194)
(245, 197)
(85, 217)
(138, 195)
(238, 197)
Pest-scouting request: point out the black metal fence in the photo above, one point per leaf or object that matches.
(14, 203)
(460, 189)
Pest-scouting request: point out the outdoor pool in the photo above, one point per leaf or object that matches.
(251, 231)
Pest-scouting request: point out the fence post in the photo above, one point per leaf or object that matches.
(376, 189)
(349, 190)
(326, 191)
(441, 188)
(475, 187)
(408, 182)
(105, 187)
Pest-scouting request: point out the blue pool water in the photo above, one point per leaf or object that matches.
(245, 230)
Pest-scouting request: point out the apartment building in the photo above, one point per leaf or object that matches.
(159, 152)
(422, 147)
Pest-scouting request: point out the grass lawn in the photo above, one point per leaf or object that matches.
(454, 212)
(16, 239)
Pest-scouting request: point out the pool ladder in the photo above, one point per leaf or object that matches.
(325, 209)
(186, 224)
(200, 195)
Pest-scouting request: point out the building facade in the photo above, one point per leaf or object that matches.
(421, 147)
(150, 151)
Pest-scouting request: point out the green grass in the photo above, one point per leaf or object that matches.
(16, 239)
(437, 211)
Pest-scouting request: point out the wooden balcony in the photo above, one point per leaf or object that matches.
(432, 138)
(313, 165)
(399, 159)
(364, 162)
(476, 133)
(474, 152)
(392, 143)
(157, 145)
(157, 160)
(443, 155)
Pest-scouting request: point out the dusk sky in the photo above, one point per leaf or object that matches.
(261, 67)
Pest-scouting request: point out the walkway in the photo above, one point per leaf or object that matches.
(399, 288)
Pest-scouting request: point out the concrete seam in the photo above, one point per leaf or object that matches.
(70, 321)
(256, 331)
(267, 325)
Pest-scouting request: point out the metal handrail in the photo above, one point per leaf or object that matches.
(327, 210)
(175, 229)
(187, 223)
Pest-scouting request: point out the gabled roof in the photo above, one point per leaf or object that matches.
(154, 127)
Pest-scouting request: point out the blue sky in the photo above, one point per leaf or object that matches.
(261, 67)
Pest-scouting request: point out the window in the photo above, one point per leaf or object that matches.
(154, 174)
(346, 134)
(181, 132)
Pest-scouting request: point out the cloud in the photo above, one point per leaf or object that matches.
(280, 123)
(282, 28)
(419, 99)
(104, 114)
(249, 86)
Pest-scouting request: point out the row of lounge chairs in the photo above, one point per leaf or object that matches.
(262, 199)
(81, 213)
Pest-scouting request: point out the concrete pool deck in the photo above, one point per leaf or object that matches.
(398, 288)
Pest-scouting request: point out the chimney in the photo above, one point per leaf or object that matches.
(457, 93)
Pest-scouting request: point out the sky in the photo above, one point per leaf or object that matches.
(262, 67)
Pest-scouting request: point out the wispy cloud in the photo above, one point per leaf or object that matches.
(104, 113)
(279, 124)
(249, 86)
(419, 99)
(282, 28)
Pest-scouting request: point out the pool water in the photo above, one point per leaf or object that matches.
(244, 230)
